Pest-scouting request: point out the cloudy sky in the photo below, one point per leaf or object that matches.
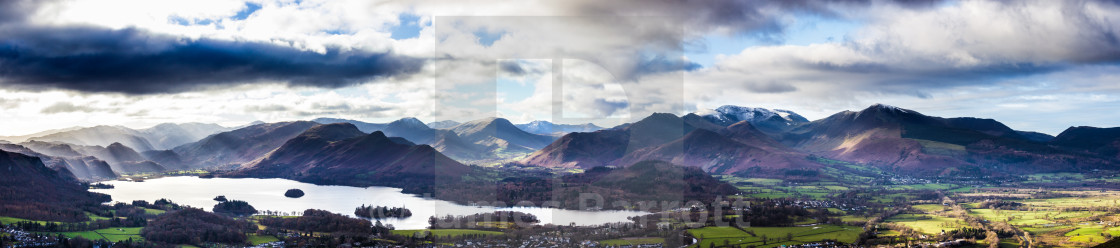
(1034, 65)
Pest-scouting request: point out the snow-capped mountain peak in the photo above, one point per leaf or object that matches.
(410, 121)
(766, 119)
(739, 113)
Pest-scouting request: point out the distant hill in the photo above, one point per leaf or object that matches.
(1036, 136)
(484, 140)
(325, 155)
(92, 141)
(169, 135)
(408, 128)
(86, 168)
(500, 138)
(737, 149)
(22, 138)
(101, 136)
(233, 148)
(903, 139)
(121, 159)
(690, 141)
(1100, 141)
(445, 124)
(766, 120)
(549, 128)
(604, 147)
(411, 129)
(365, 127)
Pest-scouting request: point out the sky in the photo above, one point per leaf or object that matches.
(1035, 65)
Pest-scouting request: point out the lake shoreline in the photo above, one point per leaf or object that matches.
(267, 194)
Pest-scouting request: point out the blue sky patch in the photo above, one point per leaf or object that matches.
(248, 10)
(487, 37)
(408, 28)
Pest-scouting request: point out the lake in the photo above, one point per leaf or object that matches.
(268, 194)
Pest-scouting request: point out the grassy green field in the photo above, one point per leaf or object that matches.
(114, 234)
(1086, 201)
(1093, 231)
(632, 241)
(775, 235)
(261, 239)
(10, 220)
(94, 217)
(1018, 218)
(929, 208)
(446, 232)
(1043, 229)
(853, 218)
(929, 224)
(154, 211)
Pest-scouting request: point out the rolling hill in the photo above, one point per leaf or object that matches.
(902, 139)
(332, 154)
(233, 148)
(100, 136)
(737, 149)
(1101, 141)
(606, 147)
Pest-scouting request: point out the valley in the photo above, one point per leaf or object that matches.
(729, 177)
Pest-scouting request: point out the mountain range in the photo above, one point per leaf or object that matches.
(341, 154)
(483, 140)
(691, 140)
(884, 136)
(725, 140)
(896, 138)
(549, 128)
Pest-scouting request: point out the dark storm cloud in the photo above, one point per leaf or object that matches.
(134, 61)
(749, 17)
(907, 80)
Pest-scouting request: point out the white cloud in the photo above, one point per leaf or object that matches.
(978, 58)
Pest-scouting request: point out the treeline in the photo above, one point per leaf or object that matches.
(1001, 205)
(161, 204)
(121, 215)
(101, 186)
(314, 220)
(518, 219)
(615, 189)
(380, 212)
(234, 208)
(196, 226)
(977, 233)
(38, 226)
(43, 211)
